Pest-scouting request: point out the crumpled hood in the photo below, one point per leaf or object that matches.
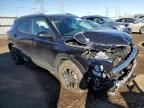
(105, 37)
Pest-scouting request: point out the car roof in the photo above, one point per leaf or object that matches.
(89, 16)
(125, 18)
(48, 16)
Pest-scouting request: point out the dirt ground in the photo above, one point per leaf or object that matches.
(29, 86)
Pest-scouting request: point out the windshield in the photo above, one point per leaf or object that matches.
(107, 19)
(70, 25)
(141, 20)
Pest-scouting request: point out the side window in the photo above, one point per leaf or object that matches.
(121, 20)
(129, 20)
(14, 26)
(25, 26)
(98, 20)
(40, 26)
(92, 19)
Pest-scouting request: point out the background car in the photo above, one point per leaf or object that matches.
(107, 22)
(136, 25)
(139, 16)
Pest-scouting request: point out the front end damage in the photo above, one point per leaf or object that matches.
(112, 59)
(105, 75)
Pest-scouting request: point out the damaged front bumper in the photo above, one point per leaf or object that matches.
(130, 75)
(127, 62)
(121, 74)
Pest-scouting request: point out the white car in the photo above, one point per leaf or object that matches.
(134, 24)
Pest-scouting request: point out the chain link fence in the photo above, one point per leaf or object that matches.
(5, 24)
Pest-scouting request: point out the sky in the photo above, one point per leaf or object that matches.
(111, 8)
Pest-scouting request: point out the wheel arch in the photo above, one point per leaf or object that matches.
(141, 28)
(62, 57)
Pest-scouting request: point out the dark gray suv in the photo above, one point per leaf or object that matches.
(81, 54)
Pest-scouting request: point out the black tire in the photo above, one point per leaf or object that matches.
(142, 30)
(16, 56)
(70, 77)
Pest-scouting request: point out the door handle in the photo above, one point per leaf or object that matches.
(15, 35)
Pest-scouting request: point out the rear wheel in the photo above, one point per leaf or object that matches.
(16, 56)
(142, 30)
(70, 76)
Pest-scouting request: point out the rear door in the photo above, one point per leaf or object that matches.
(23, 36)
(43, 45)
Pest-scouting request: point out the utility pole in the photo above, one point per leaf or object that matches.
(40, 5)
(116, 12)
(62, 6)
(107, 11)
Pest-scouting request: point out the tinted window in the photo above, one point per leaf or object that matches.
(92, 19)
(40, 25)
(120, 20)
(25, 26)
(98, 20)
(129, 20)
(14, 26)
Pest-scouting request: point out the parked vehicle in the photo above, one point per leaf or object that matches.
(107, 22)
(142, 19)
(78, 52)
(139, 16)
(136, 25)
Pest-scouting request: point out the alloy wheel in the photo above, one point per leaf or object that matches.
(70, 78)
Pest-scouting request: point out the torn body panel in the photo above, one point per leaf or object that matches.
(112, 58)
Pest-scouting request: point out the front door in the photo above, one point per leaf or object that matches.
(43, 43)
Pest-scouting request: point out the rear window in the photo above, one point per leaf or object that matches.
(14, 26)
(25, 26)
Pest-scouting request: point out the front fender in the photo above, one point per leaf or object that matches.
(60, 57)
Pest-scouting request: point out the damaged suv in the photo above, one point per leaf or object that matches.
(78, 52)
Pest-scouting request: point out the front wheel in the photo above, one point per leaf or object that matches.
(70, 77)
(142, 30)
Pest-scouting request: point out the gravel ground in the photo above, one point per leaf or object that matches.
(29, 86)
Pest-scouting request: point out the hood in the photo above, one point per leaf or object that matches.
(103, 37)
